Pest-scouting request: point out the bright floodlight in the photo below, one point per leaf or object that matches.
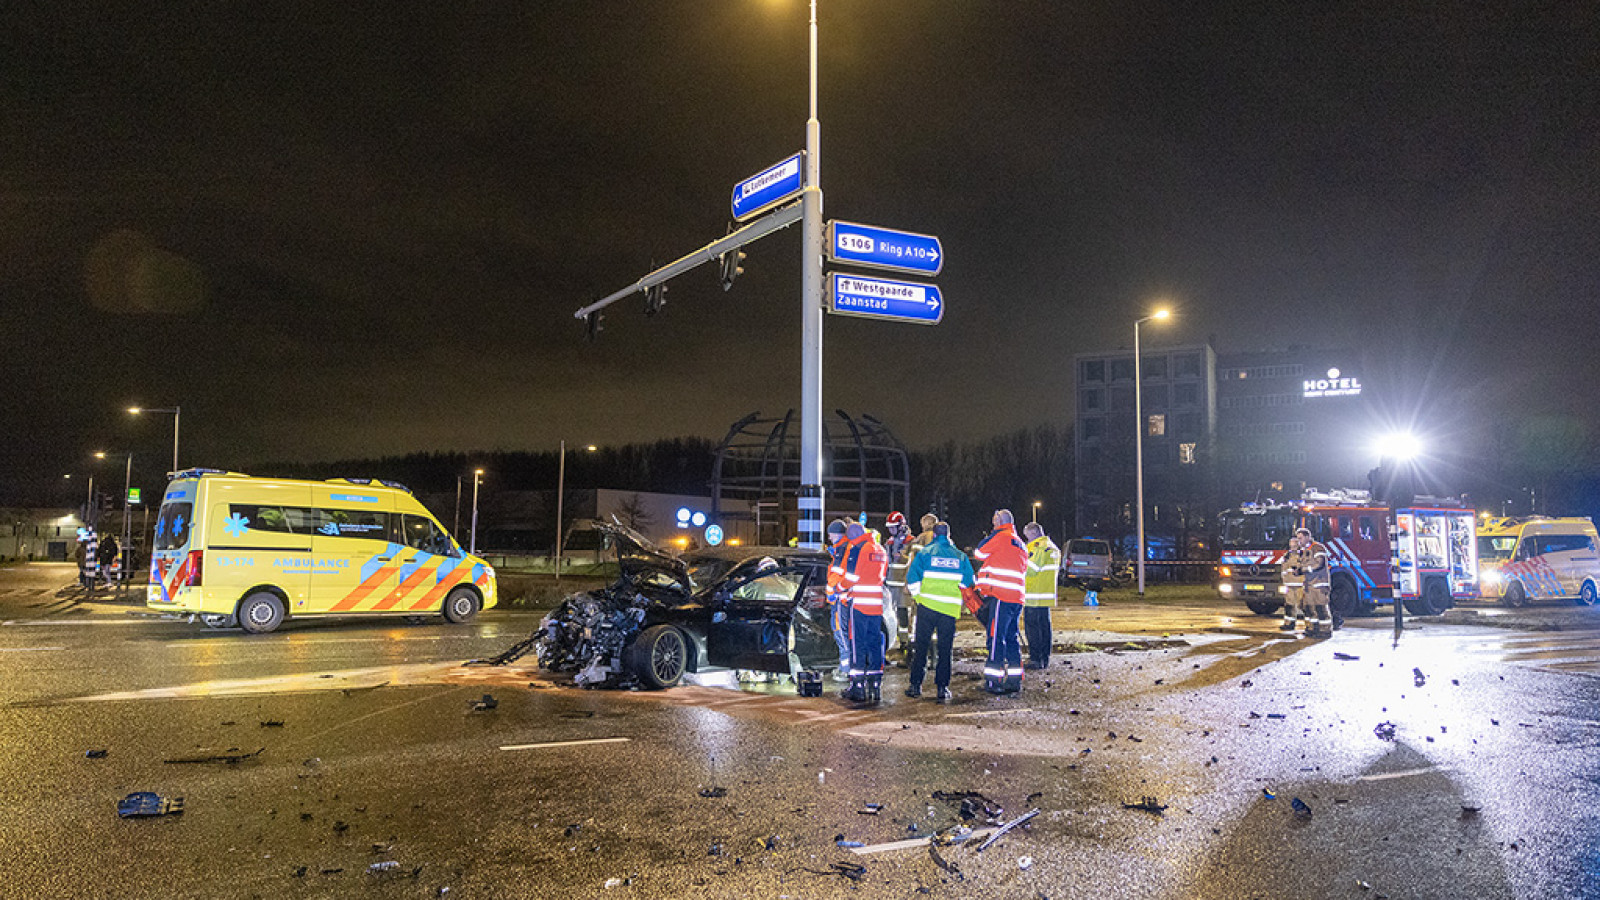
(1400, 446)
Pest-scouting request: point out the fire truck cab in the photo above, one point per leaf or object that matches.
(1426, 554)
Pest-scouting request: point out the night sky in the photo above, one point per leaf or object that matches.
(334, 230)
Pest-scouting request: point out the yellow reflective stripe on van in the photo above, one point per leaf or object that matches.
(352, 599)
(405, 588)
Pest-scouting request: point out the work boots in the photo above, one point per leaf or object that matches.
(857, 691)
(874, 690)
(1013, 684)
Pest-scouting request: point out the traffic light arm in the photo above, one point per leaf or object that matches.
(782, 217)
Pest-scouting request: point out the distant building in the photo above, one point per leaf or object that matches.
(1218, 429)
(38, 534)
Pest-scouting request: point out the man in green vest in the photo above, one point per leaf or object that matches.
(1039, 598)
(935, 578)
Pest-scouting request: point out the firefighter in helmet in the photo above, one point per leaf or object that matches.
(1314, 563)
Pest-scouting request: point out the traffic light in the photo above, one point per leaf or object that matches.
(591, 322)
(655, 297)
(731, 267)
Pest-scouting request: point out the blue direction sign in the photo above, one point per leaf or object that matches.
(884, 248)
(769, 187)
(880, 298)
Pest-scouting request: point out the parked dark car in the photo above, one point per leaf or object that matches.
(759, 608)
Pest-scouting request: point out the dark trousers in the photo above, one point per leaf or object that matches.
(1005, 641)
(866, 643)
(1036, 620)
(930, 625)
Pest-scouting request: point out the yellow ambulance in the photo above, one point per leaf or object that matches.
(1538, 558)
(234, 549)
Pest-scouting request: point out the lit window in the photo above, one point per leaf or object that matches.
(1158, 425)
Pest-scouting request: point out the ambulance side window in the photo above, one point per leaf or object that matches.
(422, 534)
(1524, 551)
(356, 523)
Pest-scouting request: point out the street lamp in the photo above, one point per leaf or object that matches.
(1138, 443)
(127, 512)
(561, 493)
(88, 502)
(1394, 479)
(177, 413)
(477, 479)
(1036, 505)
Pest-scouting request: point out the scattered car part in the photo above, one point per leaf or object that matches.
(142, 804)
(1147, 804)
(1000, 832)
(1301, 810)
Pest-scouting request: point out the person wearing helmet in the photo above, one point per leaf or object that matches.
(1314, 563)
(898, 547)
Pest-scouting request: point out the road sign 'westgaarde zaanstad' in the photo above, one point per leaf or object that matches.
(882, 298)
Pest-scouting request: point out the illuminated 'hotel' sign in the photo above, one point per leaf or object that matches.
(1334, 385)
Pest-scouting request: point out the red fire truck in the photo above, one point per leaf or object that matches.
(1426, 554)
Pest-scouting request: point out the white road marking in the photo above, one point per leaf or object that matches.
(1385, 776)
(28, 649)
(614, 740)
(988, 712)
(913, 843)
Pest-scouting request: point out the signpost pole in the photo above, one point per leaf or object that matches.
(811, 248)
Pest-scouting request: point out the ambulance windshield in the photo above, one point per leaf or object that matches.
(1492, 547)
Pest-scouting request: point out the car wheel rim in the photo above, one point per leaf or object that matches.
(667, 659)
(260, 614)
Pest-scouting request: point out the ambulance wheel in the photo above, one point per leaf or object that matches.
(1262, 607)
(1515, 595)
(260, 612)
(660, 656)
(1587, 594)
(212, 620)
(461, 605)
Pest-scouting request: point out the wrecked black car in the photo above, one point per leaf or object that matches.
(757, 609)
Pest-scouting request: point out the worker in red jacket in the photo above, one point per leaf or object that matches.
(866, 564)
(1004, 577)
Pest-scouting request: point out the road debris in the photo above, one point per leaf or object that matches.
(487, 703)
(1384, 731)
(272, 723)
(1147, 804)
(1347, 657)
(714, 792)
(1268, 795)
(841, 842)
(96, 754)
(1419, 678)
(870, 809)
(229, 758)
(1000, 832)
(941, 862)
(141, 804)
(387, 865)
(1301, 810)
(972, 805)
(1024, 863)
(1469, 812)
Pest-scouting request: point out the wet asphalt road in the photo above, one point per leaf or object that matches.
(380, 758)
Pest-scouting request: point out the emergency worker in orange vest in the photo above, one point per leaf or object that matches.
(838, 605)
(1003, 577)
(866, 565)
